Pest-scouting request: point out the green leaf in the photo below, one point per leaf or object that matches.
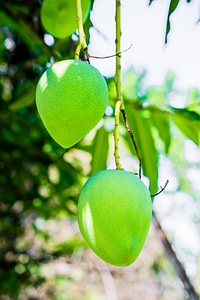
(173, 5)
(150, 1)
(189, 114)
(161, 122)
(99, 151)
(189, 123)
(141, 128)
(194, 101)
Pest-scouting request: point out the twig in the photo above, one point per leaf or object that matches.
(175, 261)
(133, 141)
(161, 189)
(108, 56)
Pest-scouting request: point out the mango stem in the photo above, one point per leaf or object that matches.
(82, 40)
(119, 103)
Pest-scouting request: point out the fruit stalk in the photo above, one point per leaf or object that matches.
(119, 103)
(118, 50)
(82, 41)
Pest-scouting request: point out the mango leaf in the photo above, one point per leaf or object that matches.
(99, 151)
(141, 128)
(161, 122)
(150, 1)
(173, 5)
(189, 123)
(194, 101)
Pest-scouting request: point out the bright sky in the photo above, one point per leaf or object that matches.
(143, 26)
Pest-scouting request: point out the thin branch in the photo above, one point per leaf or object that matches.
(161, 189)
(175, 261)
(108, 56)
(133, 141)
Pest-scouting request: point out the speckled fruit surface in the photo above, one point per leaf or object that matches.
(114, 215)
(59, 16)
(71, 98)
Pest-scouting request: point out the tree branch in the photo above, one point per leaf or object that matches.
(133, 141)
(175, 261)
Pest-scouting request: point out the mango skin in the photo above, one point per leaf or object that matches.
(71, 98)
(59, 16)
(114, 215)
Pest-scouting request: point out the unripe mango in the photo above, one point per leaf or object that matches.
(114, 215)
(71, 98)
(59, 16)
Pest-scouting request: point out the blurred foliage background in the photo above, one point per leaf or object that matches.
(42, 255)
